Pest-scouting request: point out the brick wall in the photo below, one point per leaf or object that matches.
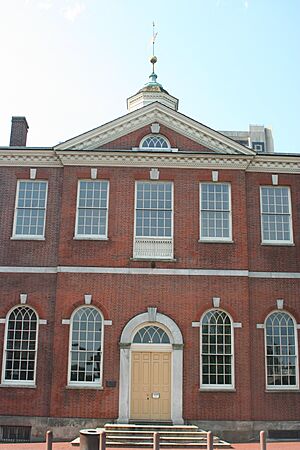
(117, 251)
(29, 252)
(121, 297)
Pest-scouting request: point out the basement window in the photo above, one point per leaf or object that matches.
(10, 433)
(284, 434)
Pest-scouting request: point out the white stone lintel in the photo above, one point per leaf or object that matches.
(237, 325)
(216, 302)
(87, 299)
(65, 322)
(23, 299)
(94, 172)
(154, 174)
(32, 174)
(195, 324)
(260, 326)
(280, 303)
(215, 175)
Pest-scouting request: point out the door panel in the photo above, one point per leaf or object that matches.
(151, 385)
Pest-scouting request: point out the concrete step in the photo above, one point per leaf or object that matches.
(141, 435)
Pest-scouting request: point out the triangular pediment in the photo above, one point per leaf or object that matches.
(101, 136)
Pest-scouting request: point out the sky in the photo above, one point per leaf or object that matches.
(69, 65)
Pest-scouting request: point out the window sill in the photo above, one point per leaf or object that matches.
(11, 385)
(282, 390)
(278, 244)
(211, 389)
(90, 238)
(215, 241)
(77, 386)
(27, 238)
(154, 259)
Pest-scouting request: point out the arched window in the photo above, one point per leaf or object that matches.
(19, 363)
(154, 142)
(86, 336)
(281, 351)
(151, 334)
(216, 350)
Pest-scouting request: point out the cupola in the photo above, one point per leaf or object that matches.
(152, 92)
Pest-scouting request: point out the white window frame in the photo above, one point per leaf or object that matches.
(19, 383)
(282, 387)
(29, 236)
(155, 148)
(85, 384)
(218, 387)
(216, 239)
(154, 238)
(93, 237)
(270, 241)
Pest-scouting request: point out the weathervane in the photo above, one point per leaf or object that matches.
(153, 59)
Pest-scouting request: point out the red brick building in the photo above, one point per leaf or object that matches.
(150, 271)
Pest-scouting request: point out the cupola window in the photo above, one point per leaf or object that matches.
(154, 142)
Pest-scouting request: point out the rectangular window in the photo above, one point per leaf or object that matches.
(215, 212)
(92, 206)
(276, 220)
(153, 220)
(30, 212)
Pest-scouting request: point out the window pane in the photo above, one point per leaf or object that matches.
(155, 142)
(31, 208)
(281, 355)
(216, 348)
(21, 343)
(92, 208)
(153, 209)
(215, 218)
(86, 346)
(275, 214)
(151, 334)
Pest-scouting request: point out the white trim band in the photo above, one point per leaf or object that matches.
(147, 271)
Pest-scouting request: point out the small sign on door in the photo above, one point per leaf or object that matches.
(155, 394)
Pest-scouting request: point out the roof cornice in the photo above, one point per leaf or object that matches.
(151, 159)
(29, 157)
(59, 158)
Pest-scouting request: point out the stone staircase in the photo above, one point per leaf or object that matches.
(141, 435)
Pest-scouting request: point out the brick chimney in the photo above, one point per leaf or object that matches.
(19, 128)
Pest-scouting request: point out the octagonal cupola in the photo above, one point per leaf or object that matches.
(152, 92)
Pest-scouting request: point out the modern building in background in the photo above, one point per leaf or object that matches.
(150, 272)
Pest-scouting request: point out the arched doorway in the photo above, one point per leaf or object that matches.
(151, 359)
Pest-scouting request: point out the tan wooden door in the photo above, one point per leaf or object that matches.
(151, 386)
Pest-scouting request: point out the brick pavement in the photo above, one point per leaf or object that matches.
(67, 446)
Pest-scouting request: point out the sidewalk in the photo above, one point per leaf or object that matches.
(68, 446)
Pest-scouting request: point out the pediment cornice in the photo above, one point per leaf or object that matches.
(155, 112)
